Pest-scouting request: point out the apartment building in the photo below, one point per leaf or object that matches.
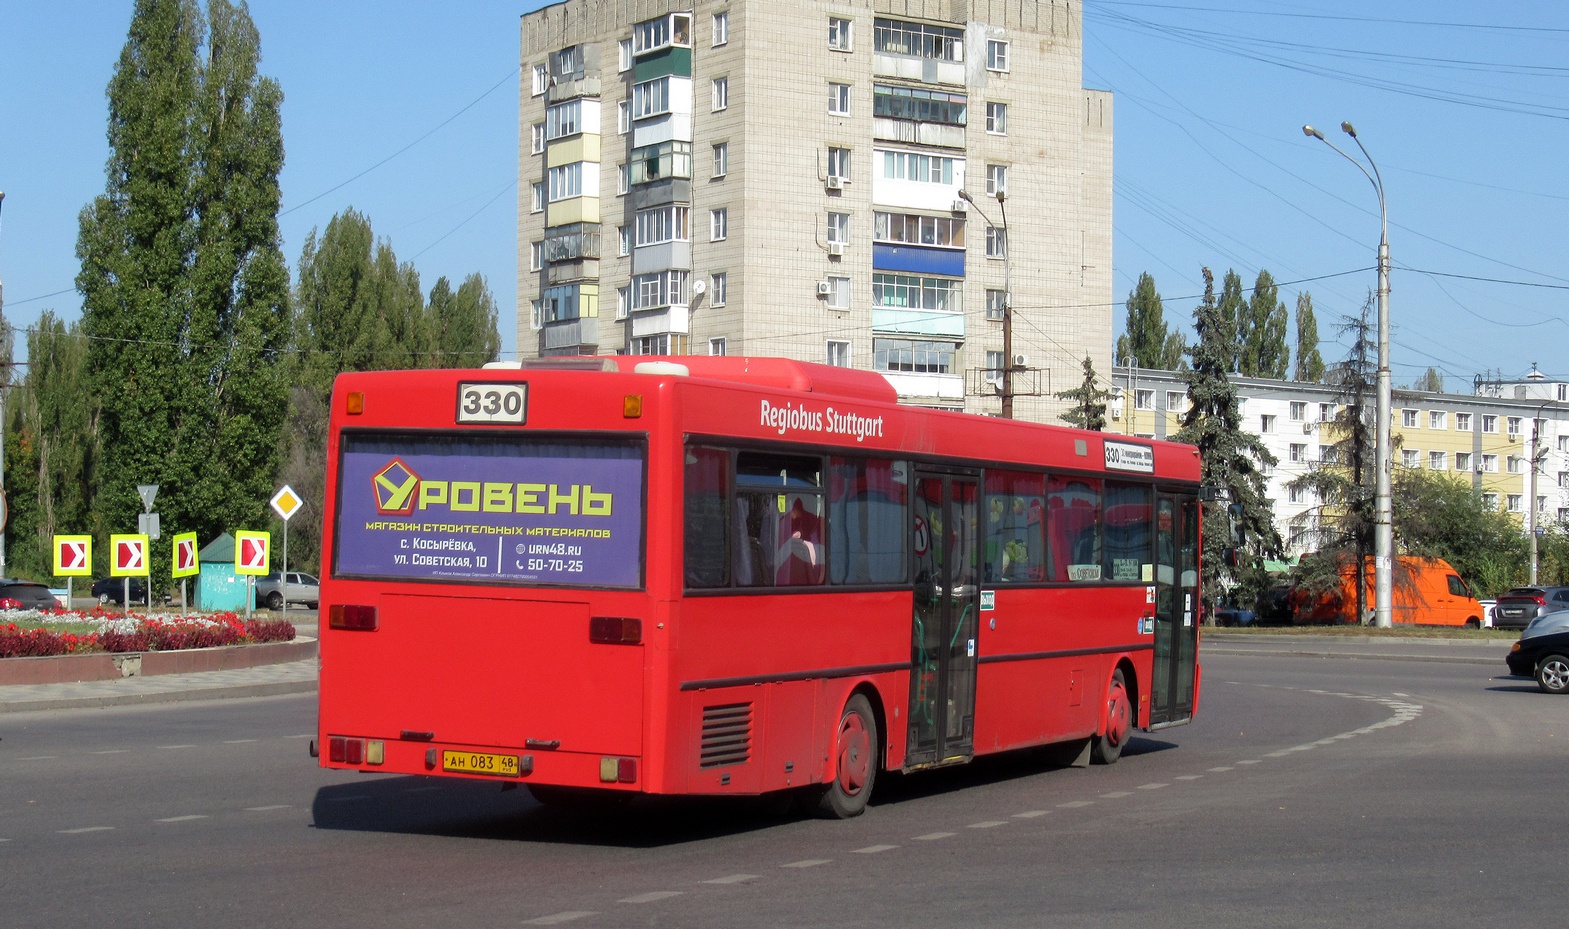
(837, 182)
(1488, 438)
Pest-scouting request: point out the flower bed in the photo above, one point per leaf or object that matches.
(31, 633)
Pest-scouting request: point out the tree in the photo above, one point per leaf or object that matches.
(1089, 401)
(185, 292)
(1437, 515)
(1232, 460)
(1431, 381)
(463, 324)
(1262, 335)
(1231, 317)
(1148, 343)
(1310, 364)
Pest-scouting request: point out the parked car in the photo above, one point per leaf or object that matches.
(1548, 622)
(1488, 606)
(1430, 593)
(1544, 657)
(1518, 606)
(18, 594)
(301, 588)
(109, 590)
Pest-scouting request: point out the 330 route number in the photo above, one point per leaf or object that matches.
(492, 402)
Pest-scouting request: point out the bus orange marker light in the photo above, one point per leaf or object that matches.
(632, 406)
(354, 403)
(351, 616)
(615, 630)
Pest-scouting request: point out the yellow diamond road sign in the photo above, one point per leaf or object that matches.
(286, 502)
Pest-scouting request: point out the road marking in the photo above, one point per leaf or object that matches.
(1221, 769)
(308, 735)
(558, 918)
(1075, 804)
(808, 863)
(182, 819)
(874, 849)
(1152, 786)
(934, 836)
(1188, 777)
(1116, 794)
(653, 896)
(1251, 761)
(175, 746)
(264, 809)
(86, 829)
(987, 824)
(238, 741)
(111, 751)
(1031, 814)
(732, 879)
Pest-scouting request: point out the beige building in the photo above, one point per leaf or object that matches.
(784, 177)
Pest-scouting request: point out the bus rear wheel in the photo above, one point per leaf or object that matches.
(1119, 722)
(855, 761)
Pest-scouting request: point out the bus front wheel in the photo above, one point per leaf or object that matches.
(1119, 722)
(855, 761)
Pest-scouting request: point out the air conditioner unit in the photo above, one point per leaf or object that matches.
(959, 206)
(824, 288)
(1020, 361)
(836, 248)
(1307, 427)
(834, 182)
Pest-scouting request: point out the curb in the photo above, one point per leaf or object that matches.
(166, 696)
(102, 666)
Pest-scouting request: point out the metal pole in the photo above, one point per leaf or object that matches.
(1530, 503)
(1007, 310)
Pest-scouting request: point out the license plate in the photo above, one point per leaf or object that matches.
(480, 763)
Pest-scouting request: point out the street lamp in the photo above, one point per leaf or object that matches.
(1536, 456)
(1007, 298)
(1383, 527)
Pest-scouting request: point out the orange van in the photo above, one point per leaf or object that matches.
(1427, 592)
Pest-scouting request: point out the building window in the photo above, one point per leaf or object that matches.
(1489, 423)
(916, 104)
(662, 224)
(1563, 478)
(536, 256)
(839, 292)
(908, 292)
(840, 34)
(568, 63)
(664, 344)
(1462, 461)
(1410, 457)
(1266, 423)
(1297, 452)
(718, 346)
(1516, 503)
(993, 367)
(997, 118)
(539, 198)
(673, 29)
(624, 237)
(1512, 424)
(564, 303)
(838, 353)
(565, 181)
(623, 302)
(839, 99)
(1144, 399)
(1490, 464)
(996, 180)
(721, 36)
(717, 289)
(839, 228)
(1515, 464)
(839, 164)
(623, 117)
(1298, 411)
(566, 119)
(1296, 494)
(718, 225)
(1326, 454)
(1462, 422)
(996, 304)
(1490, 500)
(721, 159)
(1438, 461)
(651, 98)
(1176, 401)
(626, 54)
(919, 40)
(541, 79)
(924, 169)
(1436, 420)
(1408, 419)
(721, 94)
(660, 289)
(914, 229)
(1326, 412)
(996, 55)
(661, 161)
(996, 242)
(539, 138)
(911, 356)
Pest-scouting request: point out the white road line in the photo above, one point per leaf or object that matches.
(239, 741)
(264, 809)
(1251, 761)
(1116, 794)
(182, 819)
(558, 918)
(807, 863)
(1030, 814)
(874, 849)
(987, 824)
(1152, 786)
(934, 836)
(1188, 777)
(86, 829)
(1221, 769)
(653, 896)
(1075, 804)
(308, 735)
(161, 747)
(732, 879)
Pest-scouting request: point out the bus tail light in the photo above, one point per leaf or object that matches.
(351, 616)
(615, 630)
(618, 770)
(356, 751)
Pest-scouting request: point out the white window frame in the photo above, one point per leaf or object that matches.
(623, 302)
(1489, 424)
(1176, 401)
(996, 303)
(1298, 411)
(651, 97)
(996, 242)
(623, 241)
(1437, 419)
(838, 99)
(1266, 423)
(1411, 458)
(721, 159)
(539, 138)
(839, 163)
(625, 63)
(996, 179)
(721, 28)
(719, 346)
(718, 224)
(623, 117)
(541, 80)
(839, 291)
(1463, 461)
(992, 370)
(996, 117)
(1489, 464)
(837, 353)
(661, 225)
(719, 284)
(564, 182)
(841, 34)
(1296, 451)
(720, 94)
(1515, 503)
(536, 255)
(1437, 461)
(1143, 399)
(997, 55)
(838, 228)
(1462, 422)
(1408, 419)
(538, 203)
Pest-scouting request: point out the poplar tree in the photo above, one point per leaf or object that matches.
(463, 325)
(1231, 317)
(184, 288)
(1089, 401)
(1232, 459)
(1263, 337)
(1310, 364)
(1147, 342)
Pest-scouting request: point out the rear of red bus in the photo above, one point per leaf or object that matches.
(483, 600)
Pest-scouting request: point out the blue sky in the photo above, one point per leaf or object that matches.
(408, 112)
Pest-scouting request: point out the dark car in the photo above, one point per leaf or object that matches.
(25, 595)
(1544, 657)
(1517, 607)
(112, 590)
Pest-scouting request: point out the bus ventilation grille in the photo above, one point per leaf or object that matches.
(727, 735)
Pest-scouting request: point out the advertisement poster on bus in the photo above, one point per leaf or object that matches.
(485, 511)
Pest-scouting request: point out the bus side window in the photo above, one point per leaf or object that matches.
(1073, 528)
(1129, 531)
(1015, 543)
(707, 498)
(868, 521)
(778, 521)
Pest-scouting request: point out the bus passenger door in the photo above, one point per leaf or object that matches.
(947, 603)
(1176, 609)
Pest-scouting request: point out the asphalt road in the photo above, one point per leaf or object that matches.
(1312, 791)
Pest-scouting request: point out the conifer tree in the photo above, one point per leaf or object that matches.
(1089, 401)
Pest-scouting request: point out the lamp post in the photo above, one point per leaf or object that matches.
(1006, 390)
(1383, 527)
(1530, 505)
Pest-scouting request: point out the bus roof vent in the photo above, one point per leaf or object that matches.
(661, 367)
(502, 365)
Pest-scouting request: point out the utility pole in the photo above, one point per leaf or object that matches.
(1005, 388)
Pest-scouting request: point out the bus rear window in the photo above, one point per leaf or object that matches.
(490, 509)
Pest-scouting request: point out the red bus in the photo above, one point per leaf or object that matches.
(712, 575)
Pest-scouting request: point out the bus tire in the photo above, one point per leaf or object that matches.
(1107, 747)
(855, 745)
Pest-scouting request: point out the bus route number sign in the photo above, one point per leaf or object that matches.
(490, 402)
